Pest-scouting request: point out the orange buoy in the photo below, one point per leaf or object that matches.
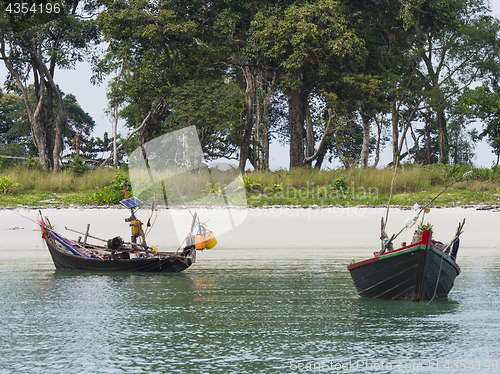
(199, 242)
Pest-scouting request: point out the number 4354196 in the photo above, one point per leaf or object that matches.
(24, 8)
(464, 365)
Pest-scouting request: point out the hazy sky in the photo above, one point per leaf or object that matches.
(93, 100)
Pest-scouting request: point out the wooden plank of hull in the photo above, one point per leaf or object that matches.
(156, 264)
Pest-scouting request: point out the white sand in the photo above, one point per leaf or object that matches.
(338, 229)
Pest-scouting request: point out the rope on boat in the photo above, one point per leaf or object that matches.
(429, 203)
(459, 232)
(437, 281)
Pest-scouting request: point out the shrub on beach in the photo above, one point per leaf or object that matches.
(7, 184)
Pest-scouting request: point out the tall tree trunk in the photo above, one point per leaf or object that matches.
(297, 101)
(47, 122)
(257, 164)
(265, 133)
(379, 138)
(365, 150)
(320, 153)
(443, 137)
(60, 125)
(250, 104)
(268, 87)
(309, 133)
(115, 112)
(395, 131)
(32, 113)
(47, 74)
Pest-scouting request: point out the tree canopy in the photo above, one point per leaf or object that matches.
(331, 78)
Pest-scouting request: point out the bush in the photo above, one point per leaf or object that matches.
(104, 196)
(112, 194)
(78, 168)
(7, 184)
(340, 184)
(119, 179)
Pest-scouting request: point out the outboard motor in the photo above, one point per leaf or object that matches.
(115, 243)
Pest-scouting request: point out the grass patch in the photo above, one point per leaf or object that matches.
(304, 187)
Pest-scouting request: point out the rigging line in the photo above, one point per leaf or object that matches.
(444, 189)
(437, 281)
(429, 203)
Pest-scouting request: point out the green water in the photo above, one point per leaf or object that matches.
(241, 311)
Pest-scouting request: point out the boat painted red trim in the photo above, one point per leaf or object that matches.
(420, 271)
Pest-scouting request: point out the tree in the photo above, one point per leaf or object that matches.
(453, 42)
(14, 129)
(305, 41)
(214, 108)
(162, 42)
(60, 39)
(483, 103)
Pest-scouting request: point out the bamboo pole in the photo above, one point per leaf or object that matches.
(390, 196)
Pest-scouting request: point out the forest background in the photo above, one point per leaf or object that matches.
(330, 79)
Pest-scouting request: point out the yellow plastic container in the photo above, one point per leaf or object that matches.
(210, 240)
(134, 227)
(199, 242)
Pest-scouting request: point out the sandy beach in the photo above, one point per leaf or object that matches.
(339, 229)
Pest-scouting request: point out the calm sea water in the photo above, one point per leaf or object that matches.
(241, 311)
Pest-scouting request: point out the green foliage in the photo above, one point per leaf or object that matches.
(185, 63)
(340, 184)
(119, 180)
(252, 183)
(424, 226)
(104, 196)
(7, 184)
(305, 37)
(111, 194)
(483, 103)
(214, 107)
(78, 168)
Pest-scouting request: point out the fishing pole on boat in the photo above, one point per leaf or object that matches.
(390, 196)
(413, 219)
(444, 189)
(86, 234)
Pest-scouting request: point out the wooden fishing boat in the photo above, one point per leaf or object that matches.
(120, 256)
(67, 254)
(424, 270)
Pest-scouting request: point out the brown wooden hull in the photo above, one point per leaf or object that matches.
(163, 262)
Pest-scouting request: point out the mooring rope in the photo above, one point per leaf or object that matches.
(437, 282)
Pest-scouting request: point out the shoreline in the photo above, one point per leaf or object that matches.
(314, 207)
(352, 229)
